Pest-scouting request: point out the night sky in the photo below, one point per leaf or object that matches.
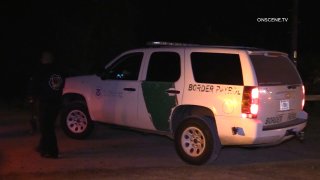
(85, 34)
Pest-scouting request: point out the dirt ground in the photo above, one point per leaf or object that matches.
(112, 153)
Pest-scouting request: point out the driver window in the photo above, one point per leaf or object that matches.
(127, 67)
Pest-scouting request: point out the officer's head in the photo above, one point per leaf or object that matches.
(46, 58)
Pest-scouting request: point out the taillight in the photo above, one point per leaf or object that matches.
(250, 102)
(303, 97)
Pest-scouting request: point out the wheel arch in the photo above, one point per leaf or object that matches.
(70, 98)
(73, 97)
(185, 112)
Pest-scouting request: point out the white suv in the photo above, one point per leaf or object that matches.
(201, 96)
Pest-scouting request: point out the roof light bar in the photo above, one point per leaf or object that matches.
(164, 43)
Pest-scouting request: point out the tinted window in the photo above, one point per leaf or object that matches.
(126, 68)
(274, 70)
(164, 66)
(216, 68)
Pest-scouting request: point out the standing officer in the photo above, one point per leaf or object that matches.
(48, 84)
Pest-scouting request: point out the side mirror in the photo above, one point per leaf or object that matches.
(101, 72)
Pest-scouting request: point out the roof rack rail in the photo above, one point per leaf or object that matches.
(164, 43)
(238, 47)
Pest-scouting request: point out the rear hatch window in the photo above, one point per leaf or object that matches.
(274, 70)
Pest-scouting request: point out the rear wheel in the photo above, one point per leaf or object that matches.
(196, 143)
(75, 121)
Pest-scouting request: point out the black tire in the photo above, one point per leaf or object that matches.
(196, 142)
(75, 121)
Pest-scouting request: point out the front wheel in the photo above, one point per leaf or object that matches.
(75, 121)
(196, 143)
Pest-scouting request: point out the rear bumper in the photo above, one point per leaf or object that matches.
(250, 132)
(276, 136)
(285, 124)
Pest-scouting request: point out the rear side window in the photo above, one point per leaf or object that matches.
(164, 67)
(274, 70)
(216, 68)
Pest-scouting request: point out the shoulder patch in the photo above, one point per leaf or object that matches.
(55, 82)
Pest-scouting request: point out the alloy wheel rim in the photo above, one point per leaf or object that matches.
(193, 141)
(77, 121)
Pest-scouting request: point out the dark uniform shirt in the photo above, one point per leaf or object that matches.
(48, 83)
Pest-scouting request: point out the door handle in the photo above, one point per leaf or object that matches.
(129, 89)
(172, 91)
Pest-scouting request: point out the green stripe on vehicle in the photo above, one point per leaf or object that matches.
(159, 103)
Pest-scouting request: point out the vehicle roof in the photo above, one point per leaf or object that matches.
(250, 50)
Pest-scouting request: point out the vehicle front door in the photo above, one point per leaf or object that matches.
(119, 90)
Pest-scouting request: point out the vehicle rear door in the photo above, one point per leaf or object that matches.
(162, 89)
(281, 92)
